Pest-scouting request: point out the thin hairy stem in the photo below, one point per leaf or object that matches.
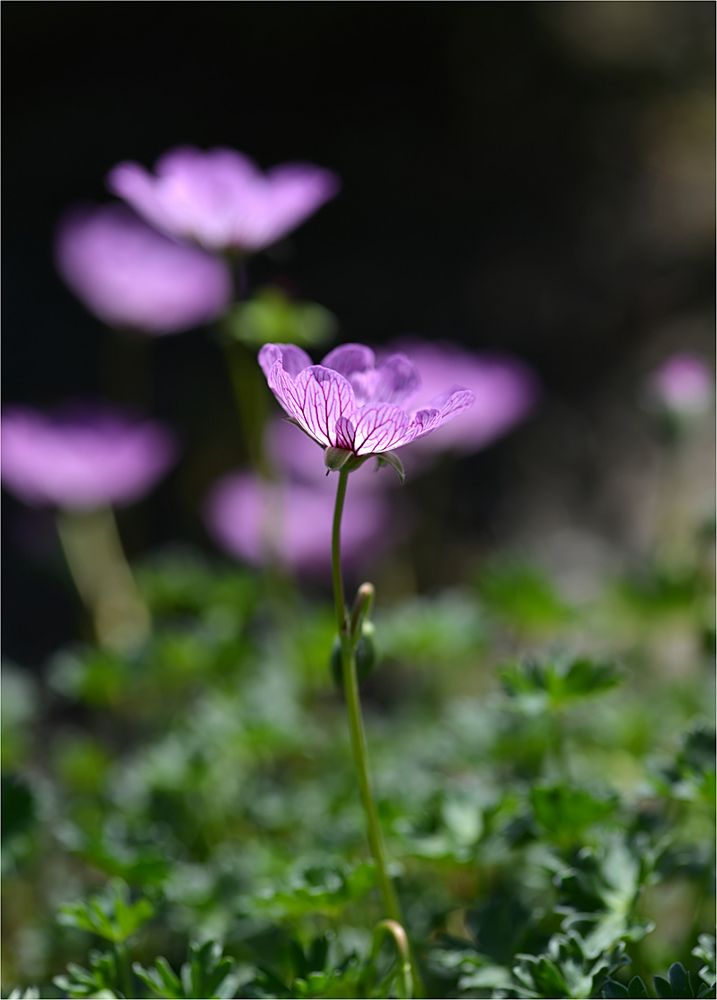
(359, 747)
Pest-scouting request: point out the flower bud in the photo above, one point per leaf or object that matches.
(364, 652)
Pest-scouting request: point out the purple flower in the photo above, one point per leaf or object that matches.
(351, 402)
(131, 276)
(81, 458)
(290, 523)
(505, 391)
(290, 450)
(220, 199)
(683, 385)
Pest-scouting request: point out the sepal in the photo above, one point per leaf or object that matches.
(391, 458)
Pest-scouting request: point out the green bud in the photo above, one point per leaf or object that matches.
(365, 653)
(336, 458)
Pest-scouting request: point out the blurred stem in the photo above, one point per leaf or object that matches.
(251, 400)
(396, 932)
(359, 746)
(124, 969)
(99, 568)
(250, 393)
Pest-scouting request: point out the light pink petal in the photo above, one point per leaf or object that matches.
(350, 358)
(397, 378)
(293, 359)
(345, 433)
(138, 188)
(219, 197)
(325, 397)
(379, 428)
(447, 407)
(284, 388)
(294, 191)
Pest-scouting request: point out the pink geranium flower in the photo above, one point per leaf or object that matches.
(81, 458)
(683, 385)
(506, 391)
(290, 523)
(133, 277)
(220, 198)
(351, 402)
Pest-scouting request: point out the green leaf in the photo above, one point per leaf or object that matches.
(111, 914)
(705, 951)
(522, 596)
(101, 979)
(270, 316)
(560, 681)
(565, 813)
(207, 973)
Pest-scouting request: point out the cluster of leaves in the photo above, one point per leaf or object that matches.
(183, 822)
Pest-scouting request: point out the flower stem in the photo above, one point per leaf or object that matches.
(359, 747)
(103, 578)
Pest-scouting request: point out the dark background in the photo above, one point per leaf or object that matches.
(536, 178)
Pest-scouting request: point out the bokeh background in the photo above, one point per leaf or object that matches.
(534, 178)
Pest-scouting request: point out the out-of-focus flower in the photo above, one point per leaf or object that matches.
(352, 403)
(683, 385)
(82, 458)
(290, 523)
(505, 391)
(131, 276)
(219, 197)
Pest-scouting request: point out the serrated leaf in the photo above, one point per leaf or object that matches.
(111, 914)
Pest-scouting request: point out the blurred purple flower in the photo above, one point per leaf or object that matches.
(683, 385)
(81, 458)
(351, 402)
(133, 277)
(220, 199)
(290, 523)
(505, 390)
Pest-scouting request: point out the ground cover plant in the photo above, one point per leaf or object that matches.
(279, 772)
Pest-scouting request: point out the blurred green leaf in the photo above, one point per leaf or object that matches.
(207, 973)
(564, 813)
(270, 316)
(522, 596)
(110, 914)
(102, 979)
(559, 682)
(705, 951)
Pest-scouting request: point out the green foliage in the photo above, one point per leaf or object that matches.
(101, 979)
(207, 973)
(565, 813)
(110, 914)
(556, 683)
(543, 832)
(270, 316)
(522, 597)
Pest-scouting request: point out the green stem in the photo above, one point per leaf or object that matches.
(359, 746)
(103, 578)
(395, 931)
(251, 401)
(124, 969)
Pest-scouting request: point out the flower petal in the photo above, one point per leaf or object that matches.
(349, 359)
(397, 378)
(379, 428)
(324, 398)
(293, 359)
(446, 408)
